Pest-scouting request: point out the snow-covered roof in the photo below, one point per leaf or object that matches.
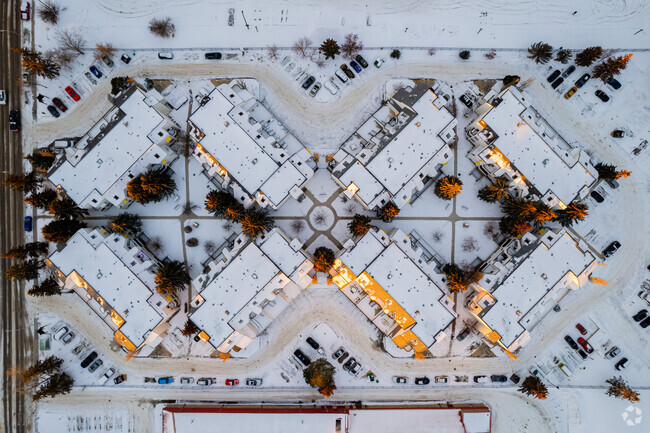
(369, 186)
(531, 153)
(277, 187)
(119, 151)
(248, 273)
(112, 279)
(277, 248)
(363, 253)
(530, 281)
(191, 422)
(405, 420)
(476, 422)
(413, 290)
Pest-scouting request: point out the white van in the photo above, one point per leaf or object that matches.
(166, 55)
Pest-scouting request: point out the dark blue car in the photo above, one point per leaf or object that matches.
(28, 224)
(355, 66)
(96, 72)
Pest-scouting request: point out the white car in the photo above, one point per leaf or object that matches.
(107, 375)
(331, 87)
(379, 62)
(61, 332)
(3, 97)
(187, 380)
(254, 382)
(400, 379)
(204, 382)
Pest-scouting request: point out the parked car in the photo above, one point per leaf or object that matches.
(308, 82)
(568, 71)
(618, 133)
(53, 111)
(422, 380)
(571, 342)
(596, 196)
(331, 86)
(466, 100)
(14, 120)
(302, 357)
(356, 368)
(96, 72)
(165, 380)
(107, 61)
(342, 357)
(645, 296)
(570, 93)
(88, 359)
(621, 363)
(165, 55)
(313, 343)
(28, 223)
(341, 76)
(378, 62)
(340, 351)
(582, 80)
(24, 10)
(59, 104)
(70, 91)
(95, 365)
(213, 56)
(557, 83)
(3, 97)
(611, 249)
(581, 328)
(348, 365)
(60, 333)
(204, 382)
(232, 382)
(107, 375)
(499, 378)
(464, 333)
(314, 90)
(347, 71)
(582, 354)
(614, 83)
(119, 379)
(90, 77)
(613, 352)
(254, 382)
(187, 380)
(355, 66)
(126, 58)
(613, 183)
(480, 379)
(441, 379)
(602, 95)
(400, 379)
(553, 76)
(585, 345)
(640, 315)
(68, 337)
(645, 322)
(361, 61)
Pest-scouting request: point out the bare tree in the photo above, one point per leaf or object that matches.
(470, 244)
(49, 11)
(72, 41)
(106, 49)
(320, 62)
(351, 45)
(61, 56)
(320, 218)
(163, 27)
(297, 226)
(303, 47)
(209, 247)
(155, 244)
(437, 236)
(490, 55)
(272, 51)
(350, 208)
(432, 51)
(491, 230)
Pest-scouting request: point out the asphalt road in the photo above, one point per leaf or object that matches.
(14, 333)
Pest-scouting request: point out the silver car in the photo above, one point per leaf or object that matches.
(90, 78)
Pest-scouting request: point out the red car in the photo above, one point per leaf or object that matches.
(582, 329)
(24, 11)
(232, 382)
(70, 91)
(59, 104)
(585, 345)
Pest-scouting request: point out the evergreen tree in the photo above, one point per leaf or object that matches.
(448, 187)
(323, 259)
(126, 223)
(66, 208)
(574, 211)
(217, 202)
(119, 83)
(518, 208)
(563, 55)
(396, 54)
(49, 287)
(172, 277)
(41, 199)
(543, 214)
(388, 212)
(533, 386)
(41, 159)
(605, 171)
(26, 183)
(59, 231)
(34, 63)
(513, 226)
(27, 270)
(45, 367)
(464, 54)
(611, 67)
(30, 249)
(459, 279)
(360, 225)
(510, 79)
(320, 374)
(589, 55)
(189, 328)
(620, 389)
(496, 191)
(59, 383)
(330, 48)
(154, 185)
(540, 52)
(255, 221)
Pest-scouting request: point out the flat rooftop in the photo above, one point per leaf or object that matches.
(119, 151)
(530, 153)
(112, 280)
(277, 248)
(530, 281)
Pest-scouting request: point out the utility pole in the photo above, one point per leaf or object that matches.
(245, 22)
